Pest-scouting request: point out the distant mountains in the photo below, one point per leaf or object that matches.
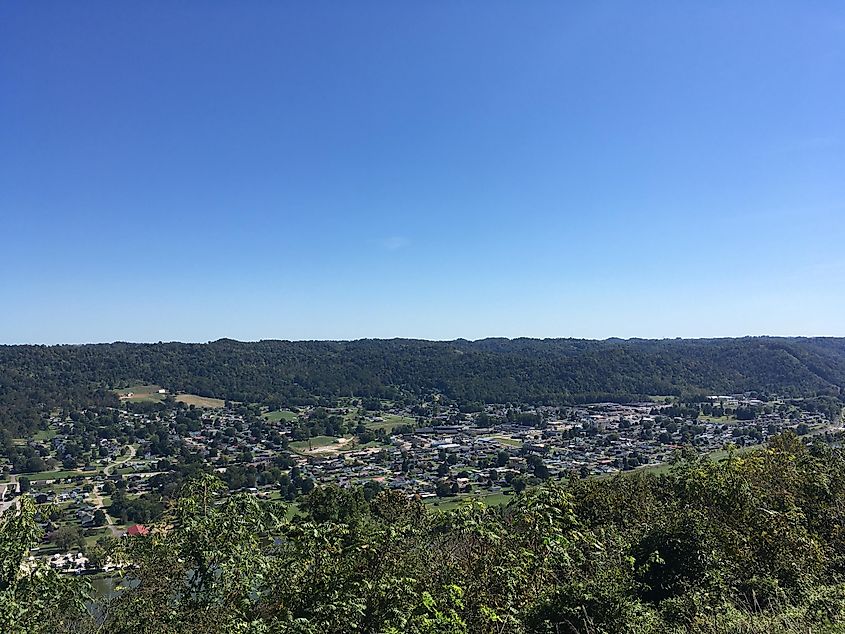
(488, 370)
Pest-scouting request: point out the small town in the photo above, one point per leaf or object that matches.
(422, 317)
(432, 451)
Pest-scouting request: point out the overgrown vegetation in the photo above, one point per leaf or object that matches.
(754, 543)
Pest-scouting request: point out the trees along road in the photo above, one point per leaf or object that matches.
(97, 494)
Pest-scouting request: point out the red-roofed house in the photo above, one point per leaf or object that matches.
(138, 530)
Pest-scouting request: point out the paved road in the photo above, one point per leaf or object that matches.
(97, 494)
(108, 470)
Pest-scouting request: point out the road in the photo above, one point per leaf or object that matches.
(108, 470)
(97, 494)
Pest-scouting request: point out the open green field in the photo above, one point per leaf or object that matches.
(715, 456)
(655, 469)
(279, 415)
(45, 434)
(721, 454)
(139, 465)
(352, 413)
(57, 475)
(42, 435)
(201, 401)
(96, 533)
(150, 394)
(513, 442)
(485, 497)
(390, 421)
(301, 446)
(721, 420)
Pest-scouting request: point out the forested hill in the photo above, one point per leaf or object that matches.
(491, 370)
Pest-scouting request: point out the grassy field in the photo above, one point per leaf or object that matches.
(655, 469)
(96, 534)
(487, 498)
(721, 454)
(351, 414)
(201, 401)
(722, 420)
(56, 475)
(275, 417)
(143, 465)
(715, 456)
(301, 446)
(45, 434)
(513, 442)
(390, 421)
(150, 394)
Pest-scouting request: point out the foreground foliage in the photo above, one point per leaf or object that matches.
(755, 543)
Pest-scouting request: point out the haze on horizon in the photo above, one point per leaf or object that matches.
(336, 171)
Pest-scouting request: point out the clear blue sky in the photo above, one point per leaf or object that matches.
(196, 170)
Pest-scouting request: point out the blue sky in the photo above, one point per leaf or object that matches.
(196, 170)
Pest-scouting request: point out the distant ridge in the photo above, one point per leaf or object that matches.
(521, 370)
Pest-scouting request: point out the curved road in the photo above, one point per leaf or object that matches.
(97, 495)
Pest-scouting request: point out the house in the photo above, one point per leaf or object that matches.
(138, 530)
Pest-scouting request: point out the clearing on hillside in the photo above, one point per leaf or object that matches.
(201, 401)
(140, 393)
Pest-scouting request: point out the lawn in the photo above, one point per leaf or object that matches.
(45, 434)
(721, 420)
(721, 454)
(301, 446)
(351, 414)
(715, 456)
(96, 533)
(390, 421)
(513, 442)
(57, 475)
(201, 401)
(279, 415)
(143, 466)
(655, 469)
(486, 497)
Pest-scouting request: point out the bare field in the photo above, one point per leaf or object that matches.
(201, 401)
(140, 393)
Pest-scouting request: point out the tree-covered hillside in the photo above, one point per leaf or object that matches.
(489, 370)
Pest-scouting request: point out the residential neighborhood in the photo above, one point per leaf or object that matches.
(435, 452)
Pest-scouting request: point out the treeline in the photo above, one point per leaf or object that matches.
(754, 543)
(548, 371)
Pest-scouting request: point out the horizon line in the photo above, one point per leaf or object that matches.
(418, 339)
